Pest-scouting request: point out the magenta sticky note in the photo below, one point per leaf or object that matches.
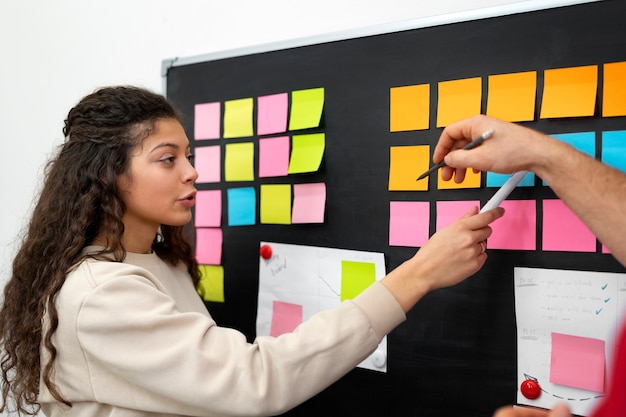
(209, 246)
(285, 318)
(272, 114)
(409, 223)
(208, 212)
(516, 230)
(564, 231)
(450, 211)
(207, 121)
(274, 157)
(207, 163)
(577, 362)
(309, 202)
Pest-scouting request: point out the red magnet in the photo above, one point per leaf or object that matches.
(530, 389)
(266, 252)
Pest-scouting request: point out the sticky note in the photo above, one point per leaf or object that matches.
(355, 277)
(306, 108)
(450, 211)
(458, 99)
(471, 180)
(406, 163)
(563, 230)
(569, 92)
(577, 362)
(512, 97)
(208, 211)
(409, 223)
(409, 108)
(274, 157)
(614, 89)
(211, 284)
(614, 149)
(207, 163)
(516, 230)
(285, 317)
(309, 201)
(241, 206)
(276, 203)
(306, 153)
(498, 180)
(238, 118)
(209, 246)
(207, 121)
(272, 114)
(239, 162)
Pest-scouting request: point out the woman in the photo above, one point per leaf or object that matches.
(101, 316)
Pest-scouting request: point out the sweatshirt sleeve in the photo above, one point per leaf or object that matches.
(144, 353)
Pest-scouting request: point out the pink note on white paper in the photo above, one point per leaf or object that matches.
(285, 317)
(207, 121)
(309, 202)
(577, 362)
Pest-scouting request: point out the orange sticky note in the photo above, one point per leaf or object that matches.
(409, 107)
(472, 180)
(406, 163)
(511, 97)
(614, 90)
(569, 92)
(458, 99)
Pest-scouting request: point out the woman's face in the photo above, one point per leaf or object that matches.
(159, 187)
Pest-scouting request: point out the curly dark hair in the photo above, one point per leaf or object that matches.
(79, 200)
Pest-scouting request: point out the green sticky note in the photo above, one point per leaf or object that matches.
(306, 108)
(238, 118)
(306, 153)
(276, 203)
(211, 284)
(355, 277)
(239, 162)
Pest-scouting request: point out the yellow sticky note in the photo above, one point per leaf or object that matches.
(406, 163)
(306, 108)
(211, 284)
(239, 161)
(238, 118)
(512, 97)
(276, 203)
(409, 107)
(458, 99)
(614, 90)
(306, 153)
(355, 277)
(569, 92)
(472, 180)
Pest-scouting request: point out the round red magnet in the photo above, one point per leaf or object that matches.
(530, 389)
(266, 251)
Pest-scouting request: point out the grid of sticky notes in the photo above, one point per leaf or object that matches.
(565, 93)
(239, 144)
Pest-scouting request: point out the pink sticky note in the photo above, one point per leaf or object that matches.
(207, 163)
(309, 201)
(577, 362)
(285, 318)
(208, 211)
(516, 230)
(272, 114)
(450, 211)
(206, 121)
(563, 230)
(408, 223)
(209, 246)
(274, 157)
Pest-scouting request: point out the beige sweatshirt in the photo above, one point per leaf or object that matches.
(135, 339)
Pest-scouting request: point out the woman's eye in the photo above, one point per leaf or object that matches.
(190, 158)
(168, 160)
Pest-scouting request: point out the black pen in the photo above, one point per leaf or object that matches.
(470, 145)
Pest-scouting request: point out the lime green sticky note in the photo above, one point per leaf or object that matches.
(306, 108)
(238, 118)
(211, 284)
(355, 277)
(276, 203)
(239, 162)
(306, 153)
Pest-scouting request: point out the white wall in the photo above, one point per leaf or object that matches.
(54, 52)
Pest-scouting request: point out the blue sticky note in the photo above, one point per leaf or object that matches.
(498, 180)
(614, 149)
(241, 206)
